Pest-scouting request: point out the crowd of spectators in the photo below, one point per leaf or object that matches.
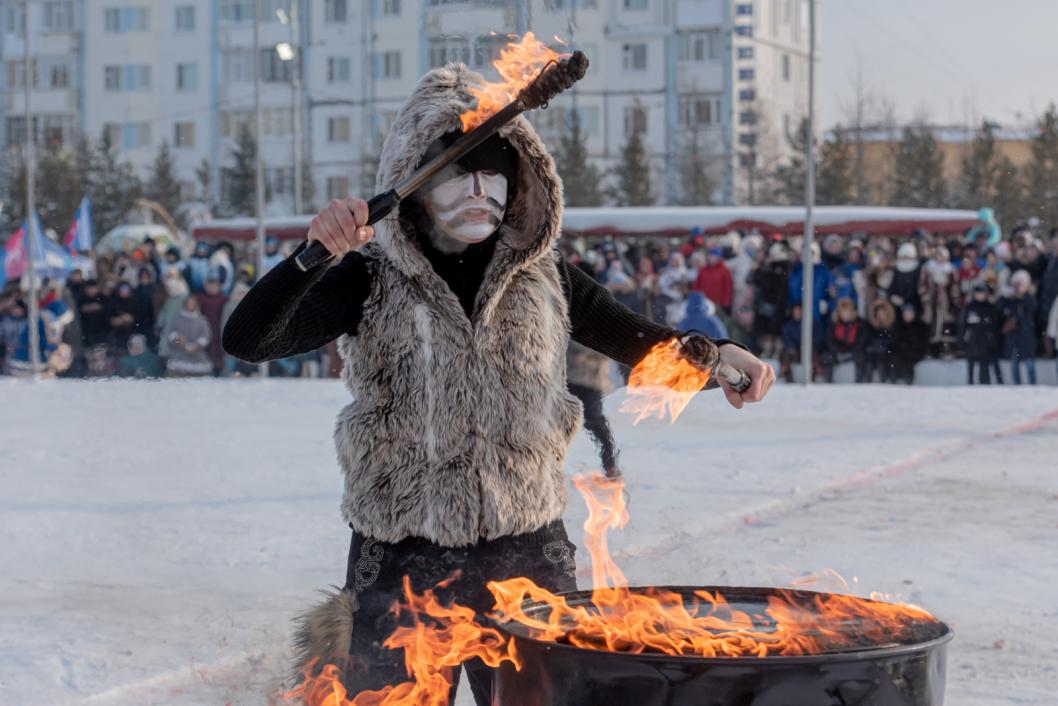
(881, 304)
(144, 314)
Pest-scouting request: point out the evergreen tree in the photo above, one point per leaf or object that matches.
(1041, 173)
(790, 177)
(368, 173)
(164, 186)
(57, 190)
(13, 189)
(632, 174)
(837, 183)
(204, 174)
(980, 170)
(86, 167)
(918, 171)
(1009, 201)
(698, 187)
(114, 188)
(241, 197)
(308, 188)
(580, 179)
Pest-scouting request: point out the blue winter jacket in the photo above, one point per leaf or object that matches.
(701, 316)
(821, 282)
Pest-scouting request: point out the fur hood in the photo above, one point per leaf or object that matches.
(533, 218)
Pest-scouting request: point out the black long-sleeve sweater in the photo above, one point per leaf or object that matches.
(290, 311)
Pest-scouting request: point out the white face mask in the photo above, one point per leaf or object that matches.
(470, 207)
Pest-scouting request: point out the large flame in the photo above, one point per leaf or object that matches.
(617, 619)
(663, 381)
(519, 63)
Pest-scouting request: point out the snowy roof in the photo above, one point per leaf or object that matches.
(675, 220)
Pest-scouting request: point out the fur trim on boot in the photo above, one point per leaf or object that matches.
(325, 634)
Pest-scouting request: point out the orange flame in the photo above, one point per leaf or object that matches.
(663, 380)
(433, 648)
(519, 63)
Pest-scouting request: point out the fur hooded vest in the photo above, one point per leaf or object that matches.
(459, 426)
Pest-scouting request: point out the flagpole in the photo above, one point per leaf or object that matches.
(30, 238)
(258, 170)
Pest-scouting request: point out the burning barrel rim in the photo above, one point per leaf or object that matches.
(519, 633)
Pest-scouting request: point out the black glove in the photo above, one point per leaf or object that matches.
(699, 351)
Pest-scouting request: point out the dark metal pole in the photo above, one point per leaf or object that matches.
(29, 238)
(807, 264)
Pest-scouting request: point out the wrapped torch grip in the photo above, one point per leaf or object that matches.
(737, 379)
(378, 207)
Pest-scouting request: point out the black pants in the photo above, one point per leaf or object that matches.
(983, 366)
(376, 571)
(597, 426)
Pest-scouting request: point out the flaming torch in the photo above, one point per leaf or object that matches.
(532, 75)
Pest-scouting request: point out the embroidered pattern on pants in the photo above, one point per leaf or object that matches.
(559, 553)
(369, 565)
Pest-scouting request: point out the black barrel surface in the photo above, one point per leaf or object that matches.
(554, 674)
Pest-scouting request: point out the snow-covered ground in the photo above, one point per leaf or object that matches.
(156, 538)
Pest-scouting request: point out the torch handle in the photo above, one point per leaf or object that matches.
(378, 207)
(734, 377)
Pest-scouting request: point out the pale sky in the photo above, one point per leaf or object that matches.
(954, 59)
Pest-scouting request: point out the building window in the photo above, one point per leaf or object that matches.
(185, 18)
(747, 94)
(338, 69)
(236, 10)
(745, 52)
(126, 19)
(698, 111)
(129, 136)
(337, 187)
(334, 10)
(270, 9)
(746, 74)
(747, 117)
(704, 45)
(443, 50)
(744, 9)
(387, 64)
(390, 7)
(634, 57)
(16, 19)
(785, 67)
(275, 122)
(635, 120)
(129, 77)
(187, 77)
(56, 73)
(749, 139)
(58, 16)
(635, 4)
(281, 179)
(230, 120)
(744, 30)
(274, 69)
(337, 129)
(237, 65)
(184, 135)
(16, 74)
(487, 49)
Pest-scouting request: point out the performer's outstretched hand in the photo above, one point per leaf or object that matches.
(761, 374)
(342, 226)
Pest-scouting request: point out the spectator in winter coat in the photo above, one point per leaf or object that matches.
(714, 280)
(1052, 327)
(846, 340)
(911, 344)
(978, 329)
(791, 345)
(907, 278)
(222, 269)
(881, 342)
(147, 298)
(211, 303)
(1048, 290)
(588, 379)
(140, 362)
(177, 290)
(189, 337)
(272, 255)
(121, 315)
(938, 283)
(95, 327)
(701, 316)
(821, 286)
(673, 283)
(198, 267)
(769, 303)
(1019, 327)
(623, 286)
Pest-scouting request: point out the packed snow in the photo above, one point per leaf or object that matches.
(157, 538)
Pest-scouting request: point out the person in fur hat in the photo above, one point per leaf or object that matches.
(454, 316)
